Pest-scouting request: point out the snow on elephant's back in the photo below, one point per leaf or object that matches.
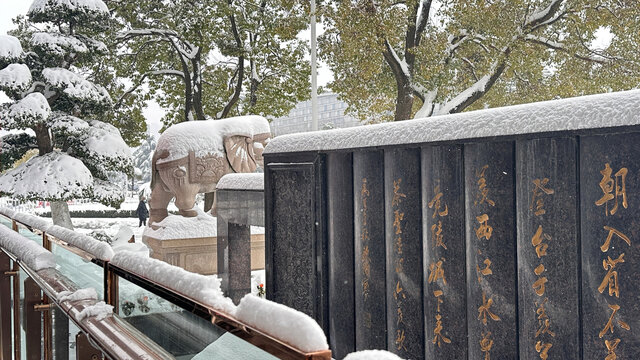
(207, 137)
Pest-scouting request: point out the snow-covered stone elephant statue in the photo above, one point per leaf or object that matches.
(191, 157)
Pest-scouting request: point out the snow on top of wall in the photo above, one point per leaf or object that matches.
(58, 44)
(594, 111)
(284, 323)
(53, 176)
(80, 294)
(204, 289)
(34, 221)
(207, 137)
(372, 355)
(241, 181)
(15, 76)
(30, 110)
(10, 47)
(99, 310)
(28, 251)
(75, 85)
(98, 249)
(41, 6)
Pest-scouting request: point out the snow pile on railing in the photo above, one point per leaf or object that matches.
(35, 222)
(7, 211)
(28, 251)
(204, 289)
(282, 322)
(100, 311)
(372, 355)
(80, 294)
(240, 181)
(99, 249)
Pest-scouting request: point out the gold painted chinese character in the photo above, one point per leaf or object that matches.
(436, 272)
(486, 271)
(611, 349)
(438, 336)
(483, 195)
(484, 310)
(612, 231)
(364, 193)
(399, 292)
(609, 325)
(536, 240)
(485, 344)
(400, 340)
(539, 189)
(484, 230)
(397, 195)
(611, 278)
(538, 286)
(399, 312)
(543, 349)
(543, 320)
(438, 294)
(397, 224)
(608, 185)
(436, 204)
(436, 235)
(399, 265)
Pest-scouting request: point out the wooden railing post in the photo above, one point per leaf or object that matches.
(32, 319)
(47, 316)
(5, 307)
(111, 288)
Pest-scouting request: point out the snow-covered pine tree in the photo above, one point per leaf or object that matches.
(142, 158)
(40, 72)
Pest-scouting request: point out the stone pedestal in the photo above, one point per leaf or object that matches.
(199, 255)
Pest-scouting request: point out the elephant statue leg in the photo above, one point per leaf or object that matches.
(158, 203)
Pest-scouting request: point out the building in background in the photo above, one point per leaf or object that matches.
(330, 116)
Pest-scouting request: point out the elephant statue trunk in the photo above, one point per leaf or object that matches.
(192, 156)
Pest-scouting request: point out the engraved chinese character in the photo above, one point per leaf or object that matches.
(397, 195)
(436, 204)
(484, 310)
(400, 337)
(438, 336)
(400, 318)
(611, 349)
(399, 265)
(367, 320)
(486, 271)
(485, 344)
(484, 230)
(539, 189)
(436, 272)
(609, 325)
(366, 271)
(364, 193)
(543, 349)
(543, 320)
(611, 278)
(608, 185)
(612, 231)
(538, 286)
(397, 221)
(438, 294)
(483, 195)
(436, 235)
(536, 240)
(399, 292)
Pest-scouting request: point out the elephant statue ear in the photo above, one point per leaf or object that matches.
(240, 153)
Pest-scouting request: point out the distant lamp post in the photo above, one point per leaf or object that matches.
(314, 70)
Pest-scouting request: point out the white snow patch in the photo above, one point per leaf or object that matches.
(179, 227)
(241, 181)
(586, 112)
(99, 249)
(75, 85)
(372, 355)
(28, 251)
(33, 221)
(15, 76)
(540, 13)
(70, 125)
(282, 322)
(100, 311)
(104, 140)
(43, 6)
(10, 47)
(58, 44)
(204, 289)
(32, 109)
(53, 176)
(206, 137)
(80, 294)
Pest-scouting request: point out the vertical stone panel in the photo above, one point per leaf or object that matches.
(403, 229)
(370, 257)
(548, 248)
(610, 233)
(341, 254)
(443, 229)
(491, 250)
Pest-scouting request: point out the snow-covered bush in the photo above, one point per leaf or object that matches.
(41, 71)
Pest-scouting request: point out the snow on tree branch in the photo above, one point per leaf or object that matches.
(75, 86)
(15, 77)
(45, 10)
(54, 176)
(58, 44)
(542, 16)
(67, 125)
(10, 48)
(551, 44)
(33, 109)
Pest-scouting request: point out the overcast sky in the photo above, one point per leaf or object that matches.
(153, 112)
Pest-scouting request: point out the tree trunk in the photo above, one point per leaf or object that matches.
(404, 102)
(197, 88)
(43, 139)
(60, 214)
